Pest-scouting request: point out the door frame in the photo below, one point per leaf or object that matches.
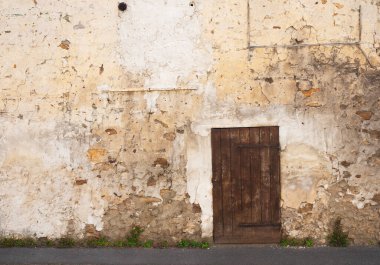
(265, 233)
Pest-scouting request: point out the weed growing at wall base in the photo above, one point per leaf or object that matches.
(192, 244)
(66, 242)
(17, 243)
(148, 244)
(165, 244)
(338, 238)
(297, 242)
(99, 242)
(132, 240)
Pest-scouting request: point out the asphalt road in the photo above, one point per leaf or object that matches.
(228, 255)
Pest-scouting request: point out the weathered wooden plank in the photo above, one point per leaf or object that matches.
(217, 183)
(275, 175)
(254, 138)
(256, 145)
(226, 181)
(257, 235)
(235, 178)
(245, 171)
(266, 211)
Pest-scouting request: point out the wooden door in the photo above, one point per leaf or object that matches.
(246, 185)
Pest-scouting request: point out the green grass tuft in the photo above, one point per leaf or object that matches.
(66, 242)
(99, 242)
(133, 240)
(45, 242)
(308, 242)
(119, 244)
(163, 244)
(338, 238)
(296, 242)
(192, 244)
(148, 244)
(18, 243)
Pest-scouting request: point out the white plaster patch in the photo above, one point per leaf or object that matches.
(151, 101)
(35, 201)
(362, 199)
(160, 39)
(199, 174)
(103, 88)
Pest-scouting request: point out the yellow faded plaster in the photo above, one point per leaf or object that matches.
(281, 92)
(96, 155)
(310, 92)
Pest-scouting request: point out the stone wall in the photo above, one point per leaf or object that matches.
(105, 116)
